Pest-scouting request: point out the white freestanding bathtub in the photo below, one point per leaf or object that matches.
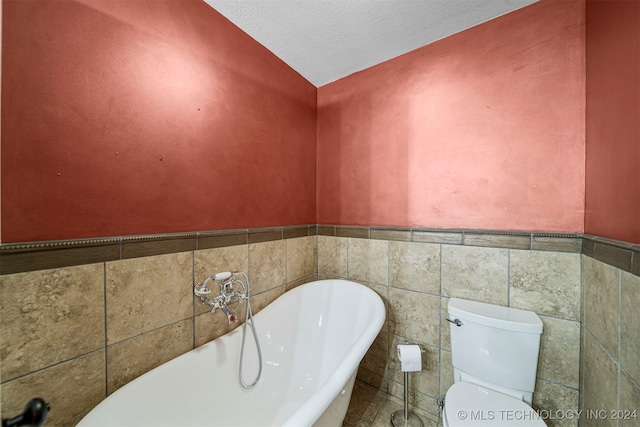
(312, 337)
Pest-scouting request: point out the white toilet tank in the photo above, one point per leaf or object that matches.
(495, 346)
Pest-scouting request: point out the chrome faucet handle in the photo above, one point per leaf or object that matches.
(220, 303)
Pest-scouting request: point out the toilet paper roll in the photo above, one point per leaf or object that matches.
(410, 358)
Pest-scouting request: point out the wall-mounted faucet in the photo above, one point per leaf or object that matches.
(225, 281)
(232, 284)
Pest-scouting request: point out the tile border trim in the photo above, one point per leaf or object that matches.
(510, 239)
(32, 256)
(622, 255)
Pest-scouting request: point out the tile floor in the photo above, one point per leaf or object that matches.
(371, 407)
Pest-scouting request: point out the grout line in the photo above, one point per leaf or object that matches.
(150, 331)
(249, 272)
(619, 316)
(549, 316)
(193, 300)
(630, 377)
(619, 337)
(316, 256)
(348, 248)
(71, 359)
(615, 360)
(440, 267)
(440, 338)
(545, 380)
(582, 300)
(106, 359)
(388, 265)
(508, 277)
(286, 261)
(390, 353)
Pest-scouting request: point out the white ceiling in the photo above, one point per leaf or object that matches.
(325, 40)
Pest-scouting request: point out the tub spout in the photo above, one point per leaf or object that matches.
(231, 316)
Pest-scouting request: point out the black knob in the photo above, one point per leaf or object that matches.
(34, 415)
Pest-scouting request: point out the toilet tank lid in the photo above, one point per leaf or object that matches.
(511, 319)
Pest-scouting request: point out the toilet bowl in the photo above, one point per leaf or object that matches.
(469, 405)
(494, 353)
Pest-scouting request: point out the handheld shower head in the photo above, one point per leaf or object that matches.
(222, 276)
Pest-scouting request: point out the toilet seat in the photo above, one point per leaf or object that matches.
(471, 405)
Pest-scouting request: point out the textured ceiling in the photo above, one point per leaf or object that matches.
(325, 40)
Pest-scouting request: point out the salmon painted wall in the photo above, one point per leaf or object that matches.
(133, 117)
(483, 129)
(613, 120)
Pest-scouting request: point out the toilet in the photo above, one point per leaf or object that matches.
(494, 351)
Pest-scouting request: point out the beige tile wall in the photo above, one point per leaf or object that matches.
(610, 362)
(416, 281)
(74, 335)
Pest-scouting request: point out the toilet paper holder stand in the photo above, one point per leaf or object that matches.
(405, 417)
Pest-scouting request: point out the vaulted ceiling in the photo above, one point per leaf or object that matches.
(325, 40)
